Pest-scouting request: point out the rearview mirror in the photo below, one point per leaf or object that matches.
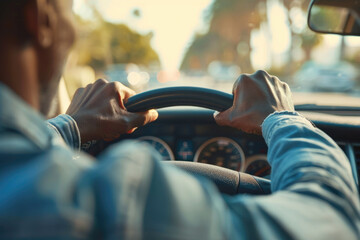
(335, 16)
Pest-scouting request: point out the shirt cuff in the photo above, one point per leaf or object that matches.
(66, 127)
(278, 119)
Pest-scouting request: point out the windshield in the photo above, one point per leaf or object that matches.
(147, 44)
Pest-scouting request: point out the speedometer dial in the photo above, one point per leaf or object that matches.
(160, 146)
(258, 166)
(223, 152)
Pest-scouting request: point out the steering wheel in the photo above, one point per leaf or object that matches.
(228, 181)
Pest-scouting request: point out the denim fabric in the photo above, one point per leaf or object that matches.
(50, 191)
(66, 127)
(38, 178)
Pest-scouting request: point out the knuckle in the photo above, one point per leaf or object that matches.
(220, 121)
(116, 87)
(244, 79)
(261, 73)
(231, 120)
(113, 87)
(126, 123)
(101, 81)
(131, 92)
(78, 91)
(119, 85)
(279, 82)
(286, 87)
(143, 118)
(274, 81)
(124, 90)
(237, 82)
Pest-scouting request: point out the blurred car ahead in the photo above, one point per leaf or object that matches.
(130, 75)
(333, 78)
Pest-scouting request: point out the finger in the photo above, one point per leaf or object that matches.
(286, 88)
(141, 119)
(236, 84)
(101, 81)
(256, 131)
(132, 130)
(79, 92)
(128, 92)
(123, 93)
(91, 90)
(75, 101)
(261, 74)
(223, 118)
(112, 137)
(96, 87)
(241, 83)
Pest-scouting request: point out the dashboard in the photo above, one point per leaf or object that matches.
(191, 134)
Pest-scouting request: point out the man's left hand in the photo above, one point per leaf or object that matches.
(100, 112)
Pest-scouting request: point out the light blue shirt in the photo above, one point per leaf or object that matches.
(51, 190)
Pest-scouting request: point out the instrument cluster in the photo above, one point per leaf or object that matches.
(235, 154)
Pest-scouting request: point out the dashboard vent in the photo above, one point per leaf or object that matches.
(356, 149)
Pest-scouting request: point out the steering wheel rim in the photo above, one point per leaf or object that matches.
(228, 181)
(180, 96)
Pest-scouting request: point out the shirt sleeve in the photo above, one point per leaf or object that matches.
(314, 193)
(299, 153)
(66, 127)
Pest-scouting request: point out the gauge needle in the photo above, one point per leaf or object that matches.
(261, 171)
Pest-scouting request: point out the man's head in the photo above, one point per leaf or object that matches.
(36, 37)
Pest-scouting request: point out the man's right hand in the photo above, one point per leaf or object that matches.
(100, 112)
(256, 96)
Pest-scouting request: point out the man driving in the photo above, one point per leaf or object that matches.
(50, 190)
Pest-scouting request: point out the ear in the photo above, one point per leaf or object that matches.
(40, 22)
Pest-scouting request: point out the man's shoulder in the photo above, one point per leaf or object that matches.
(41, 186)
(16, 148)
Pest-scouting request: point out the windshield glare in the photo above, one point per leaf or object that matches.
(147, 44)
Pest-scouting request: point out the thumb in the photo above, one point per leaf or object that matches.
(141, 119)
(222, 118)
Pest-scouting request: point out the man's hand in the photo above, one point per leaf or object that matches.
(256, 96)
(100, 113)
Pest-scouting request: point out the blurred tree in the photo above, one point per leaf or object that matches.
(308, 39)
(137, 13)
(101, 43)
(231, 24)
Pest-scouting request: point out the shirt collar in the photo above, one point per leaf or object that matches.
(16, 115)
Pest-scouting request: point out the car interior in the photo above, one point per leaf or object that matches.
(190, 138)
(187, 136)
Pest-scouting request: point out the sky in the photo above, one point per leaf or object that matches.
(173, 22)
